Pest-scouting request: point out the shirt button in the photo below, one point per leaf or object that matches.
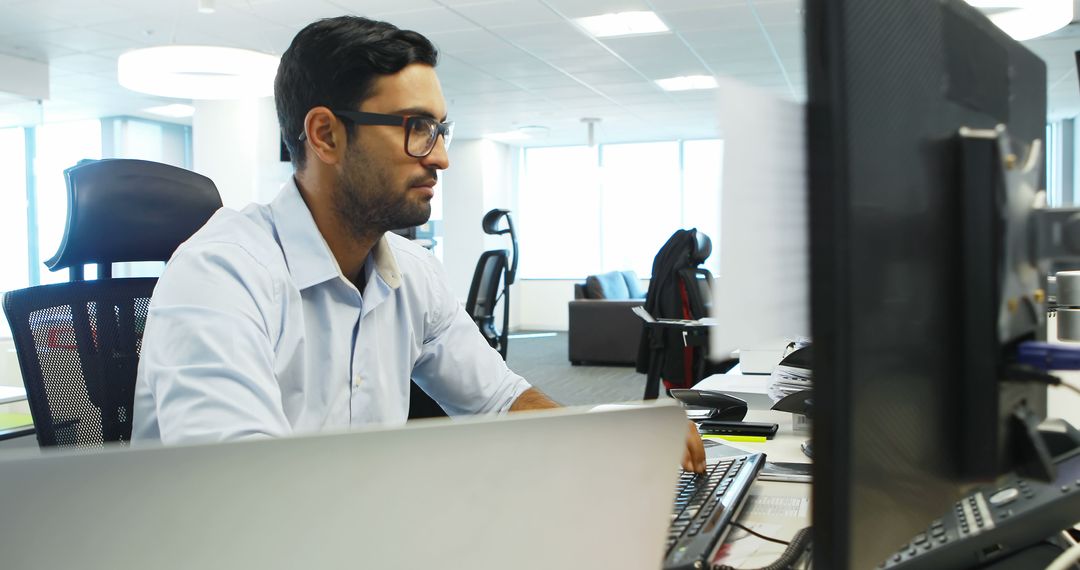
(357, 380)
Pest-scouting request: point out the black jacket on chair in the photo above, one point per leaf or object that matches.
(679, 289)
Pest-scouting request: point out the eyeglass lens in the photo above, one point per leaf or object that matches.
(422, 132)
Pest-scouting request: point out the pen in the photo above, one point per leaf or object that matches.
(743, 438)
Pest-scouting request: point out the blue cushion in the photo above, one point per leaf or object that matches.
(610, 285)
(633, 285)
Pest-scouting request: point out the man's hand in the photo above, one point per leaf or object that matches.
(533, 399)
(694, 460)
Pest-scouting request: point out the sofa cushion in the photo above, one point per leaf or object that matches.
(633, 285)
(610, 285)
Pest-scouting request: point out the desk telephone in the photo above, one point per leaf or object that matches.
(993, 522)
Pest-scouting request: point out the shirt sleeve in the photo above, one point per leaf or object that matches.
(206, 367)
(457, 367)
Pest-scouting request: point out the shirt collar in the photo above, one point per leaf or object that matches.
(386, 263)
(307, 254)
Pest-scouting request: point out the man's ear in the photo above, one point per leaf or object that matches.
(325, 135)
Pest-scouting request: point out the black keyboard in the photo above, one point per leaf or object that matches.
(704, 507)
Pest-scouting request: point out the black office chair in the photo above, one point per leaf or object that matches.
(492, 269)
(671, 354)
(78, 343)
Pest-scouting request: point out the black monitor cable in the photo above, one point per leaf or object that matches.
(794, 551)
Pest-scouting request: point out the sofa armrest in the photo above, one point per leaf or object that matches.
(604, 331)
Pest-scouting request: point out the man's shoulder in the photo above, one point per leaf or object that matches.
(246, 236)
(409, 254)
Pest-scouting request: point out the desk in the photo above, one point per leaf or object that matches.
(773, 508)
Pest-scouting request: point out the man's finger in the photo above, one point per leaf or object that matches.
(695, 450)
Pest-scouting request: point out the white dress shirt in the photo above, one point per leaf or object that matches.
(254, 331)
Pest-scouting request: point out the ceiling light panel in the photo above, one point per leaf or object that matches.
(622, 24)
(580, 8)
(687, 82)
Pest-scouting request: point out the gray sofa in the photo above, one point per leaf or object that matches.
(603, 329)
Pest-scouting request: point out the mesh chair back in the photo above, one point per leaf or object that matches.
(79, 342)
(78, 346)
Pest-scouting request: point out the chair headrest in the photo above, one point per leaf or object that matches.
(490, 223)
(131, 210)
(702, 248)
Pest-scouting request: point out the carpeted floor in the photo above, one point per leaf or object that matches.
(544, 363)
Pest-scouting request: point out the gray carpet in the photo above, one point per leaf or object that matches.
(545, 364)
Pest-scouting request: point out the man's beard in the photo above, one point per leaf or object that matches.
(369, 205)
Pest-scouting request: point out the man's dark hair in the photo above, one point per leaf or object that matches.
(334, 63)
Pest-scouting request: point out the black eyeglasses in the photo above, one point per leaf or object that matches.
(420, 131)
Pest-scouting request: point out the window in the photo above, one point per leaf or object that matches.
(702, 165)
(32, 219)
(14, 265)
(560, 213)
(641, 203)
(590, 210)
(59, 146)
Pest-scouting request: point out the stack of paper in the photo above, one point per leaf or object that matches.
(787, 380)
(792, 375)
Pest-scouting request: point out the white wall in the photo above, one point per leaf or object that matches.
(541, 304)
(479, 178)
(236, 144)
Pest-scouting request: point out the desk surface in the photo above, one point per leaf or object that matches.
(11, 394)
(774, 509)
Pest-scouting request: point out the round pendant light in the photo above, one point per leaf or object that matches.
(198, 72)
(1027, 19)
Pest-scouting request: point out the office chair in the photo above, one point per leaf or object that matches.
(78, 342)
(493, 268)
(671, 353)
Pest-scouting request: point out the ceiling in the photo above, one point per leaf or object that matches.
(504, 64)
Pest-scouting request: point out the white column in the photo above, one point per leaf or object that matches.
(479, 179)
(236, 144)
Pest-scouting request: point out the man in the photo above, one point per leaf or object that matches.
(306, 314)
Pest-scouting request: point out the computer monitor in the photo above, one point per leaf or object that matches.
(907, 323)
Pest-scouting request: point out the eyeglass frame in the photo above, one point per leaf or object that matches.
(403, 121)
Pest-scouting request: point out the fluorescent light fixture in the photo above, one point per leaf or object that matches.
(206, 6)
(176, 110)
(1027, 19)
(622, 24)
(198, 72)
(687, 82)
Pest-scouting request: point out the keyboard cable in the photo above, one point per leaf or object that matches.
(795, 550)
